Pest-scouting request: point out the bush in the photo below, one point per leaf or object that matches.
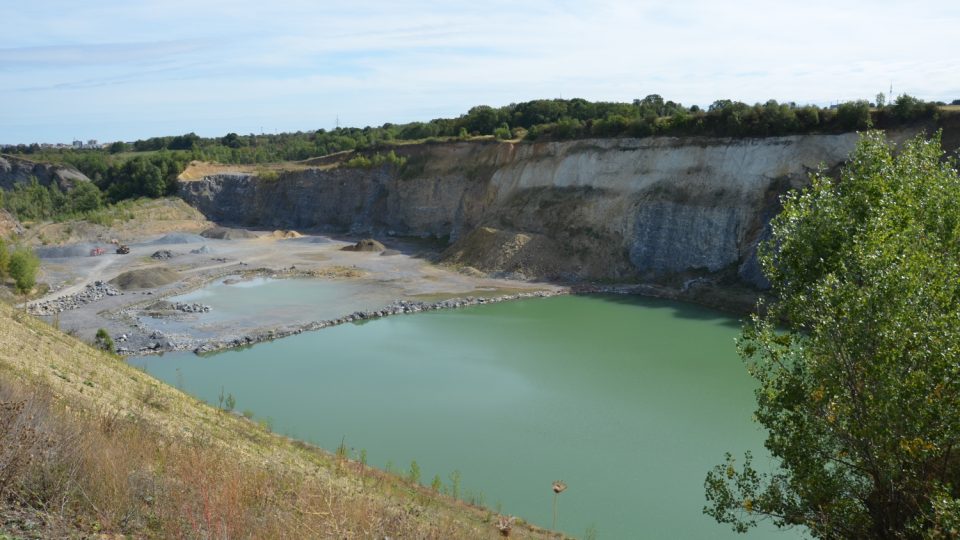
(23, 267)
(4, 259)
(103, 341)
(363, 162)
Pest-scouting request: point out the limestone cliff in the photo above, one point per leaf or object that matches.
(656, 209)
(16, 170)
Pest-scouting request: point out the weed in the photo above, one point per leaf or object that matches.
(414, 474)
(455, 484)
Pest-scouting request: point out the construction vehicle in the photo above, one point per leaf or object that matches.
(97, 251)
(123, 249)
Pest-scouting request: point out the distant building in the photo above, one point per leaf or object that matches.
(78, 144)
(92, 143)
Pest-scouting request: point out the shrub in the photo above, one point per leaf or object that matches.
(23, 267)
(103, 341)
(4, 259)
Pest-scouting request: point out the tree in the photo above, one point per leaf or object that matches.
(853, 115)
(860, 392)
(85, 197)
(23, 267)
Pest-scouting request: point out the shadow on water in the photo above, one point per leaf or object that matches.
(677, 309)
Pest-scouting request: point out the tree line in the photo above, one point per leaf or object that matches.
(555, 119)
(149, 167)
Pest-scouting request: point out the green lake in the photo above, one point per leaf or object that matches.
(629, 401)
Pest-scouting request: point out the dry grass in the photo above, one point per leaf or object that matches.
(92, 445)
(196, 170)
(126, 221)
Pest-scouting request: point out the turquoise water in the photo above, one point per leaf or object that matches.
(628, 401)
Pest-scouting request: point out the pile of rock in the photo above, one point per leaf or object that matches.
(191, 308)
(91, 293)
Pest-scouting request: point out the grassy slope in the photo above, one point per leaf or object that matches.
(126, 220)
(209, 473)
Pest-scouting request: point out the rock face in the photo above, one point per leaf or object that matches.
(15, 170)
(654, 209)
(9, 226)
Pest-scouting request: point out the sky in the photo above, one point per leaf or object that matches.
(123, 70)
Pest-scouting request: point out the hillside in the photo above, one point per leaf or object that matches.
(92, 445)
(125, 221)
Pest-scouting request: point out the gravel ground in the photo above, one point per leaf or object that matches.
(78, 305)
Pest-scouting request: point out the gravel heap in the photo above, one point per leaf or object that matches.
(91, 293)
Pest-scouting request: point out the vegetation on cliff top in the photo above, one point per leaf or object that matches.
(149, 168)
(860, 393)
(553, 118)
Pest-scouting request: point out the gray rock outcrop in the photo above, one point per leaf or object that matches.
(16, 170)
(656, 209)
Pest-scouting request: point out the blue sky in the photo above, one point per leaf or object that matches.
(122, 70)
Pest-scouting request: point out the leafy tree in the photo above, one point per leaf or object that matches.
(117, 147)
(860, 392)
(85, 197)
(231, 140)
(853, 115)
(907, 108)
(23, 268)
(482, 119)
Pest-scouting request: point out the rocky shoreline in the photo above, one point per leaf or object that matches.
(93, 292)
(398, 307)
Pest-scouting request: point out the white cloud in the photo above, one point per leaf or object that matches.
(146, 68)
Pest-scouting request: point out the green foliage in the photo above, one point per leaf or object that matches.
(455, 484)
(85, 197)
(4, 259)
(103, 341)
(153, 175)
(33, 201)
(860, 393)
(436, 484)
(160, 159)
(908, 108)
(854, 115)
(22, 267)
(414, 474)
(361, 161)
